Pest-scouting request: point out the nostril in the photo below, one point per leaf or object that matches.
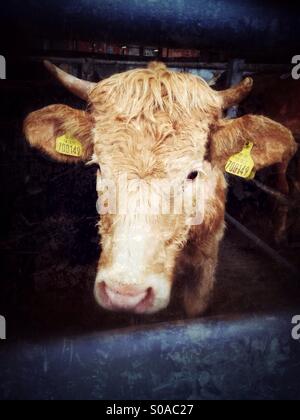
(147, 302)
(101, 287)
(100, 293)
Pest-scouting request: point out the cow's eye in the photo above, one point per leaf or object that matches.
(193, 175)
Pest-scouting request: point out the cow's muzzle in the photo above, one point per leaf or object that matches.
(119, 300)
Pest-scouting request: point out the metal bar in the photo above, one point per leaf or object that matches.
(276, 194)
(209, 358)
(235, 76)
(283, 199)
(266, 27)
(244, 67)
(274, 255)
(129, 61)
(261, 67)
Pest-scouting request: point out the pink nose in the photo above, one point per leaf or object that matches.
(126, 299)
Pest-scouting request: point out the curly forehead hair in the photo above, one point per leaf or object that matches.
(146, 93)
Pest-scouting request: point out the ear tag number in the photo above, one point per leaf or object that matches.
(242, 164)
(68, 146)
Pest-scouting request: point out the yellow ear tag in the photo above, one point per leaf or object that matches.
(242, 164)
(69, 146)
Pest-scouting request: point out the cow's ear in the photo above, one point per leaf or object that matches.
(62, 132)
(273, 143)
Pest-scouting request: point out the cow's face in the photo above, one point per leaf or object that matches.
(160, 144)
(153, 183)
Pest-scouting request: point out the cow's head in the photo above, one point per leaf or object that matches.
(151, 127)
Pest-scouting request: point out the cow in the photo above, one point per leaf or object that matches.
(277, 97)
(154, 124)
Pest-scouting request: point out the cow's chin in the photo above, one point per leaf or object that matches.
(150, 299)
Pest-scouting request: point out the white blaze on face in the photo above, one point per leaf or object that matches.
(136, 249)
(129, 277)
(133, 247)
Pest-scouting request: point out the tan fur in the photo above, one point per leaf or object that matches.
(42, 127)
(154, 124)
(273, 143)
(278, 98)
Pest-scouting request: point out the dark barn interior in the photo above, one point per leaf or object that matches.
(60, 344)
